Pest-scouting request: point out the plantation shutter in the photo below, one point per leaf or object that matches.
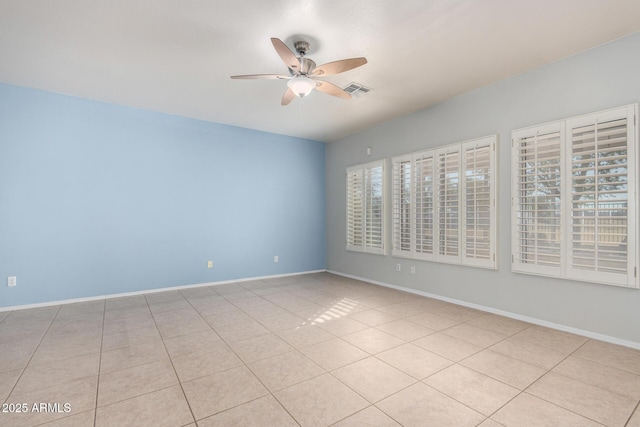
(601, 177)
(424, 205)
(443, 204)
(365, 209)
(537, 200)
(478, 198)
(402, 197)
(373, 211)
(448, 181)
(355, 209)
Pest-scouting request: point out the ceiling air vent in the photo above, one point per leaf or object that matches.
(356, 88)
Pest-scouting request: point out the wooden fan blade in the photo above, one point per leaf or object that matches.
(260, 76)
(288, 96)
(331, 89)
(290, 60)
(336, 67)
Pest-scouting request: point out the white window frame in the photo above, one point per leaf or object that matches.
(433, 155)
(362, 198)
(565, 269)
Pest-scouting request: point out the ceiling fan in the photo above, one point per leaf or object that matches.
(303, 72)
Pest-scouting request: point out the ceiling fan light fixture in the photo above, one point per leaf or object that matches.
(302, 70)
(301, 85)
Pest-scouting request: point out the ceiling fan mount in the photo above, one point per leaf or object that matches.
(304, 72)
(302, 47)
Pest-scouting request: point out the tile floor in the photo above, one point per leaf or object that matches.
(312, 350)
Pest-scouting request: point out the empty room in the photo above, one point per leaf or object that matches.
(319, 213)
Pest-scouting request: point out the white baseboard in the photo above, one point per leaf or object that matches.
(535, 321)
(151, 291)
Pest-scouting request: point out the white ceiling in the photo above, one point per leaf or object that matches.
(176, 56)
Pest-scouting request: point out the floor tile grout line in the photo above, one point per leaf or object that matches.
(310, 320)
(484, 347)
(290, 385)
(298, 352)
(280, 306)
(458, 363)
(422, 381)
(576, 380)
(350, 415)
(6, 315)
(387, 414)
(365, 399)
(453, 398)
(32, 354)
(372, 405)
(61, 418)
(619, 368)
(273, 394)
(490, 347)
(95, 414)
(419, 380)
(244, 403)
(134, 397)
(636, 409)
(526, 389)
(436, 390)
(562, 407)
(437, 354)
(70, 415)
(499, 380)
(193, 417)
(244, 364)
(520, 391)
(44, 335)
(485, 314)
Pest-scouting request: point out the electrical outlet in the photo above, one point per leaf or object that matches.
(275, 258)
(11, 281)
(413, 269)
(209, 264)
(398, 267)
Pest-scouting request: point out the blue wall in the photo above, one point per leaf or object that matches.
(99, 199)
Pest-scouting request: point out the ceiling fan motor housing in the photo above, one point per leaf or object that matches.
(306, 67)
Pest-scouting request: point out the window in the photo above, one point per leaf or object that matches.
(365, 209)
(574, 198)
(443, 203)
